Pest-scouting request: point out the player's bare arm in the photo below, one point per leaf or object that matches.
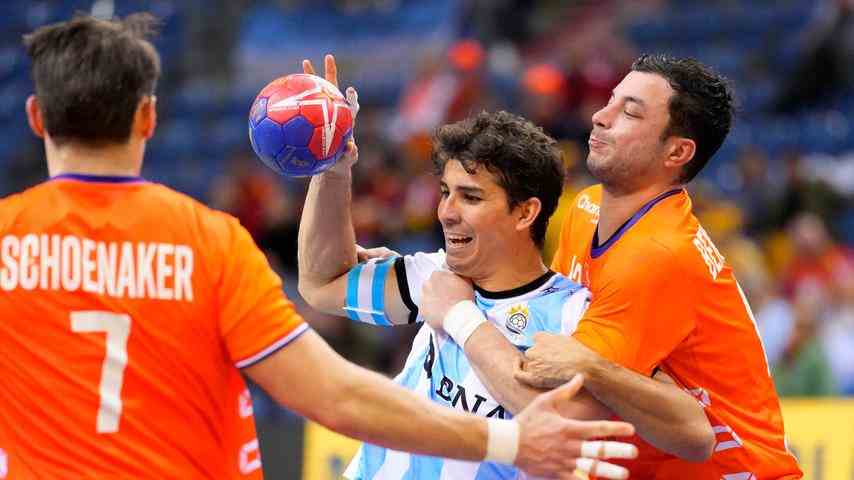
(365, 405)
(664, 415)
(327, 248)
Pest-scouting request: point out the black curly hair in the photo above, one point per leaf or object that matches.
(701, 109)
(525, 161)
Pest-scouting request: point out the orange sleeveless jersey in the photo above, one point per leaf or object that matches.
(664, 297)
(126, 311)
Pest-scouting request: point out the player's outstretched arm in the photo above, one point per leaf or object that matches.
(367, 406)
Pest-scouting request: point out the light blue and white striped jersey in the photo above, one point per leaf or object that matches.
(437, 367)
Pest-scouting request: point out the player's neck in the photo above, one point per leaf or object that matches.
(618, 207)
(109, 160)
(521, 268)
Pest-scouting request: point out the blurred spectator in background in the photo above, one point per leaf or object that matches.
(546, 92)
(803, 370)
(838, 335)
(804, 191)
(774, 315)
(819, 265)
(828, 61)
(819, 281)
(756, 192)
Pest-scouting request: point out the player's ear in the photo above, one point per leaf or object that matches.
(527, 212)
(680, 152)
(146, 116)
(34, 116)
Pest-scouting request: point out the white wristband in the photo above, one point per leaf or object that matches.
(462, 320)
(502, 441)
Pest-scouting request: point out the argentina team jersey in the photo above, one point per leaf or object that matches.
(437, 367)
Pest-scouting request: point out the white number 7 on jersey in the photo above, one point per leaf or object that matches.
(117, 327)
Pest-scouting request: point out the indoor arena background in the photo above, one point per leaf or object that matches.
(778, 199)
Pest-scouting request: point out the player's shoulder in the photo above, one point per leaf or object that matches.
(166, 197)
(561, 284)
(671, 237)
(14, 201)
(417, 267)
(181, 208)
(17, 199)
(426, 260)
(572, 294)
(640, 254)
(11, 206)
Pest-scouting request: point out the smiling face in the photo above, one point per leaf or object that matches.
(626, 146)
(480, 228)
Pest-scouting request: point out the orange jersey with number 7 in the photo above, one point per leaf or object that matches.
(126, 312)
(664, 298)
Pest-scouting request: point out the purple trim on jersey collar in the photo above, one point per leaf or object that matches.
(598, 251)
(98, 178)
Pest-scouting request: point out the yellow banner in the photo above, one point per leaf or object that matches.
(821, 435)
(326, 454)
(820, 432)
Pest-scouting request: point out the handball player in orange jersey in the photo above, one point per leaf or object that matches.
(128, 311)
(664, 299)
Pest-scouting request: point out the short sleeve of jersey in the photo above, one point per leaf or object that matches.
(366, 285)
(637, 320)
(417, 270)
(256, 318)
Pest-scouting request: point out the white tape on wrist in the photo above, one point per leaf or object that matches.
(462, 320)
(502, 441)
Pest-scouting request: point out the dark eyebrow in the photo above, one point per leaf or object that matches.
(630, 98)
(635, 100)
(471, 190)
(464, 189)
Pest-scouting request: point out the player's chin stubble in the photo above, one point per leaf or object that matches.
(615, 174)
(605, 170)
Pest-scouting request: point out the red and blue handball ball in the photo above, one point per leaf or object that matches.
(299, 125)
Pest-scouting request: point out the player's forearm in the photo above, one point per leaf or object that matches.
(327, 243)
(373, 409)
(363, 404)
(494, 359)
(665, 415)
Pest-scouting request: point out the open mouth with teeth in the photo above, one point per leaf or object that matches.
(457, 240)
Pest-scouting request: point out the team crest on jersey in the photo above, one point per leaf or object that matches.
(517, 319)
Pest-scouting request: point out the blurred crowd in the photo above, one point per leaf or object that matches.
(777, 199)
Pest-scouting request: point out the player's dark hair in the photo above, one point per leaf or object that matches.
(90, 75)
(701, 108)
(522, 157)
